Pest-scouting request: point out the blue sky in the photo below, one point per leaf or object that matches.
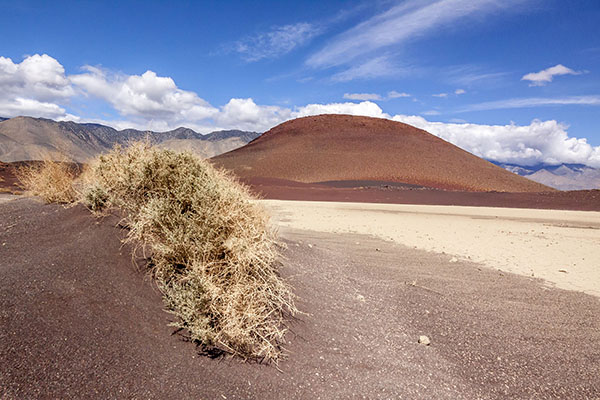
(510, 80)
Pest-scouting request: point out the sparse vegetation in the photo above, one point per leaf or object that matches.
(50, 180)
(4, 190)
(211, 249)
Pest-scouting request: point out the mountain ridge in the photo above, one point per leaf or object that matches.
(27, 138)
(566, 176)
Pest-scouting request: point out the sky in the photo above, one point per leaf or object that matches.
(514, 81)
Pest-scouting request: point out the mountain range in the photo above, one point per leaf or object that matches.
(562, 176)
(26, 138)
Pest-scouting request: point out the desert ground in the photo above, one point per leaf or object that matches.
(79, 319)
(558, 246)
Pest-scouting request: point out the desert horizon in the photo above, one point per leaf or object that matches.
(357, 249)
(309, 200)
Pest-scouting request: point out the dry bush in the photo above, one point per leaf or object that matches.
(212, 250)
(50, 180)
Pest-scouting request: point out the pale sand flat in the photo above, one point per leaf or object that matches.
(561, 247)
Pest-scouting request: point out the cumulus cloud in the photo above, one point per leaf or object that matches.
(442, 95)
(545, 76)
(279, 41)
(20, 106)
(362, 96)
(147, 96)
(539, 142)
(366, 108)
(33, 87)
(38, 86)
(460, 91)
(247, 115)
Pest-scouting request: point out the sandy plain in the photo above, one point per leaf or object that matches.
(561, 247)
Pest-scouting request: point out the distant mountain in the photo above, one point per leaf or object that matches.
(223, 135)
(26, 138)
(352, 148)
(562, 177)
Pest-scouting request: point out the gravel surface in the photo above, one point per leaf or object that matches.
(79, 320)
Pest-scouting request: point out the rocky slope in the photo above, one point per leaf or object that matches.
(26, 138)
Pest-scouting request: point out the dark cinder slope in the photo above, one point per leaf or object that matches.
(26, 138)
(79, 321)
(342, 147)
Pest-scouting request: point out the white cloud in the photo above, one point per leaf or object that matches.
(33, 87)
(547, 75)
(401, 23)
(473, 75)
(38, 86)
(245, 114)
(362, 96)
(375, 68)
(147, 96)
(365, 108)
(457, 92)
(540, 142)
(30, 107)
(374, 96)
(533, 102)
(431, 112)
(395, 95)
(279, 41)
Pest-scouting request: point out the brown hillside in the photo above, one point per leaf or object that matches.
(27, 138)
(343, 147)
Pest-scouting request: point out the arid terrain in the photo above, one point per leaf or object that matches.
(81, 320)
(368, 191)
(408, 285)
(560, 247)
(26, 138)
(312, 200)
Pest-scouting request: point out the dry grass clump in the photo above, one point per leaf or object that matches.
(211, 248)
(50, 180)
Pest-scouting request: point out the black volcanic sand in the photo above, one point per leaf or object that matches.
(8, 181)
(380, 192)
(78, 320)
(401, 193)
